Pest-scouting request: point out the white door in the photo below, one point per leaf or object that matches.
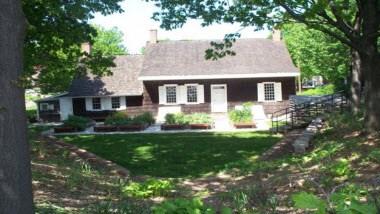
(218, 98)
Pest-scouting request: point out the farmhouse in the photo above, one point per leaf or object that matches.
(174, 76)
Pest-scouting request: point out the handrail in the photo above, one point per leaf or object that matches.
(307, 109)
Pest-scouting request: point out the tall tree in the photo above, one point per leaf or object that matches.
(52, 45)
(355, 23)
(109, 41)
(316, 53)
(15, 174)
(54, 31)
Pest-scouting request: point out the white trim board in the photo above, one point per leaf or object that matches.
(219, 76)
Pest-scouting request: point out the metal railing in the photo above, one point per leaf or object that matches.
(302, 114)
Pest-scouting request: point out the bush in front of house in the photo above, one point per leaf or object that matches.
(121, 119)
(117, 119)
(176, 119)
(77, 122)
(243, 115)
(145, 117)
(199, 118)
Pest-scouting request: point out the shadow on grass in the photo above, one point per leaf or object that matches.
(177, 155)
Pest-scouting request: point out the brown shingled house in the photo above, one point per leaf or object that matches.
(174, 76)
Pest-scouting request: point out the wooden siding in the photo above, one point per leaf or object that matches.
(238, 90)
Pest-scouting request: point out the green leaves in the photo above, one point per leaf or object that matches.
(55, 31)
(304, 200)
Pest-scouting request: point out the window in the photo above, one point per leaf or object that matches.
(171, 94)
(46, 107)
(115, 102)
(96, 104)
(269, 92)
(192, 94)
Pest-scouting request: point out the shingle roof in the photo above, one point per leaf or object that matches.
(124, 80)
(187, 58)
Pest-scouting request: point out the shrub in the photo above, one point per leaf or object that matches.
(243, 115)
(183, 206)
(178, 118)
(148, 188)
(31, 115)
(117, 118)
(80, 123)
(145, 117)
(199, 118)
(321, 90)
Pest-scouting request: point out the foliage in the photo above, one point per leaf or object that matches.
(346, 200)
(31, 114)
(121, 207)
(316, 53)
(81, 123)
(320, 90)
(118, 118)
(340, 168)
(121, 118)
(375, 155)
(199, 118)
(183, 206)
(54, 33)
(146, 118)
(243, 115)
(254, 199)
(149, 188)
(108, 42)
(178, 118)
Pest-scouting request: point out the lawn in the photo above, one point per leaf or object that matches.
(177, 155)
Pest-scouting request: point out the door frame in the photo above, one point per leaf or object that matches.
(225, 94)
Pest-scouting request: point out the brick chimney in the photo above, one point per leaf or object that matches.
(86, 47)
(276, 35)
(153, 36)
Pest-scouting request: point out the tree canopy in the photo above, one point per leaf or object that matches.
(55, 30)
(108, 41)
(316, 53)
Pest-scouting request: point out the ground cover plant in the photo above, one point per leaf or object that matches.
(177, 155)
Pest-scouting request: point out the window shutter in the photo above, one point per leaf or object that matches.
(278, 91)
(181, 94)
(201, 93)
(161, 95)
(260, 92)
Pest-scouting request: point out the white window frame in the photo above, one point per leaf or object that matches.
(100, 103)
(176, 94)
(49, 107)
(274, 91)
(197, 93)
(119, 102)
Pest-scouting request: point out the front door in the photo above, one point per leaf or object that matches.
(219, 98)
(79, 106)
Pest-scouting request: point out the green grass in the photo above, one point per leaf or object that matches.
(177, 155)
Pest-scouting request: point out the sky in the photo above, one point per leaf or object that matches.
(136, 22)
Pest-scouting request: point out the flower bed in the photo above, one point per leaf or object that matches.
(181, 121)
(74, 124)
(105, 128)
(242, 118)
(120, 121)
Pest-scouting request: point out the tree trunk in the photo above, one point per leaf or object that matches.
(371, 67)
(356, 81)
(15, 174)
